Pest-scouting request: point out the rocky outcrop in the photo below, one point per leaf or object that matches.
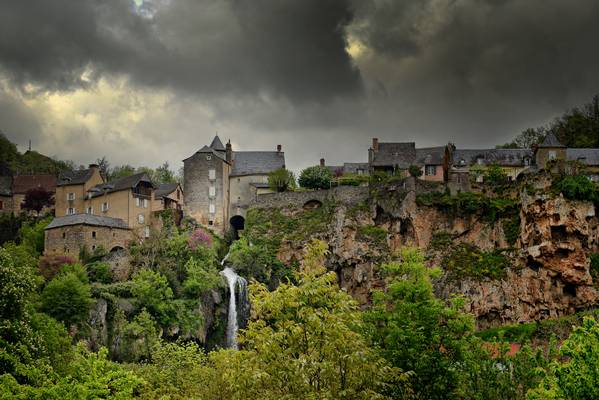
(549, 276)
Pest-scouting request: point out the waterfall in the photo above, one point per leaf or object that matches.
(237, 300)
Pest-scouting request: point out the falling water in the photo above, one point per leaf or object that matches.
(237, 285)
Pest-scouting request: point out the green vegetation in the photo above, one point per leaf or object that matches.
(415, 171)
(577, 187)
(316, 177)
(30, 162)
(350, 180)
(281, 180)
(464, 260)
(67, 298)
(372, 233)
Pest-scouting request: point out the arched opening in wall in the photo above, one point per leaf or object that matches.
(237, 224)
(116, 249)
(312, 204)
(569, 289)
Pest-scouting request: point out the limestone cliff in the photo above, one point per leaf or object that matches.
(547, 254)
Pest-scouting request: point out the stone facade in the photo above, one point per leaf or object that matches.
(244, 191)
(69, 240)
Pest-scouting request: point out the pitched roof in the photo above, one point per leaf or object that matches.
(353, 167)
(551, 141)
(586, 156)
(125, 183)
(391, 154)
(23, 183)
(256, 162)
(87, 219)
(77, 177)
(5, 185)
(503, 157)
(165, 189)
(209, 150)
(430, 155)
(217, 144)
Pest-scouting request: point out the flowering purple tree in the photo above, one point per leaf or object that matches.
(199, 237)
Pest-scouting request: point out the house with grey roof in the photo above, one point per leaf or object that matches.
(348, 168)
(219, 183)
(398, 157)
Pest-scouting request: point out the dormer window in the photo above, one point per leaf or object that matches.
(71, 196)
(208, 157)
(104, 207)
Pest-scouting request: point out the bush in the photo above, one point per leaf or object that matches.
(201, 277)
(315, 178)
(251, 261)
(465, 260)
(32, 234)
(151, 290)
(495, 176)
(577, 187)
(415, 171)
(199, 238)
(352, 180)
(67, 299)
(281, 180)
(99, 272)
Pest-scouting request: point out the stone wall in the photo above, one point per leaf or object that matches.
(342, 194)
(68, 240)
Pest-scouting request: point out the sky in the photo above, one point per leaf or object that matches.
(143, 82)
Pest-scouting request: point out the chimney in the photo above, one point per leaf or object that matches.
(229, 151)
(93, 166)
(279, 147)
(322, 162)
(375, 144)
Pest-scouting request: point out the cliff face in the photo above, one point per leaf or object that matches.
(548, 274)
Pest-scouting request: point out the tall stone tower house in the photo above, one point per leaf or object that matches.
(219, 183)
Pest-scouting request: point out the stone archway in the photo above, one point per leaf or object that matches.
(312, 204)
(237, 224)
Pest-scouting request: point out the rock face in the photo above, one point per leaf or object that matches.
(550, 274)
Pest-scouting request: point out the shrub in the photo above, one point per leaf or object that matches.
(67, 299)
(281, 180)
(315, 178)
(50, 265)
(36, 199)
(466, 260)
(32, 234)
(99, 272)
(415, 171)
(251, 261)
(201, 277)
(577, 187)
(151, 290)
(352, 180)
(495, 176)
(198, 238)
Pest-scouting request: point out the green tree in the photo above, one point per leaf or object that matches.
(152, 291)
(32, 235)
(201, 277)
(304, 341)
(67, 298)
(415, 171)
(163, 174)
(418, 332)
(495, 176)
(575, 374)
(527, 139)
(281, 180)
(251, 261)
(317, 177)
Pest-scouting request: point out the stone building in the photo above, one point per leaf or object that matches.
(219, 183)
(168, 196)
(549, 149)
(66, 235)
(84, 199)
(473, 163)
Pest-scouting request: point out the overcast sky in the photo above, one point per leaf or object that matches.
(143, 82)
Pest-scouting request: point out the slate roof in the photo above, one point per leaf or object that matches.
(391, 154)
(217, 144)
(586, 156)
(165, 189)
(503, 157)
(256, 162)
(430, 155)
(210, 150)
(5, 185)
(352, 167)
(551, 141)
(335, 169)
(87, 219)
(22, 183)
(125, 183)
(77, 177)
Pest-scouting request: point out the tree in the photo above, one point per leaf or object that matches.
(281, 180)
(103, 165)
(67, 299)
(317, 177)
(37, 198)
(527, 139)
(304, 341)
(415, 171)
(251, 260)
(152, 291)
(574, 374)
(495, 176)
(163, 174)
(120, 171)
(418, 332)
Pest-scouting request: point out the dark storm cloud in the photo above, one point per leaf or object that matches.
(291, 49)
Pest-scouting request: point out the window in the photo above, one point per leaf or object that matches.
(147, 232)
(210, 222)
(64, 235)
(70, 211)
(212, 174)
(527, 161)
(208, 157)
(178, 195)
(360, 172)
(140, 218)
(552, 155)
(104, 207)
(430, 170)
(479, 161)
(93, 247)
(93, 234)
(137, 202)
(145, 203)
(212, 191)
(90, 210)
(71, 196)
(212, 208)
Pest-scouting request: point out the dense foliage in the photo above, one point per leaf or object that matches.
(577, 187)
(281, 180)
(316, 177)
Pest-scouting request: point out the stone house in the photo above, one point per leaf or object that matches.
(549, 149)
(589, 158)
(168, 196)
(348, 168)
(219, 183)
(398, 157)
(467, 163)
(85, 199)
